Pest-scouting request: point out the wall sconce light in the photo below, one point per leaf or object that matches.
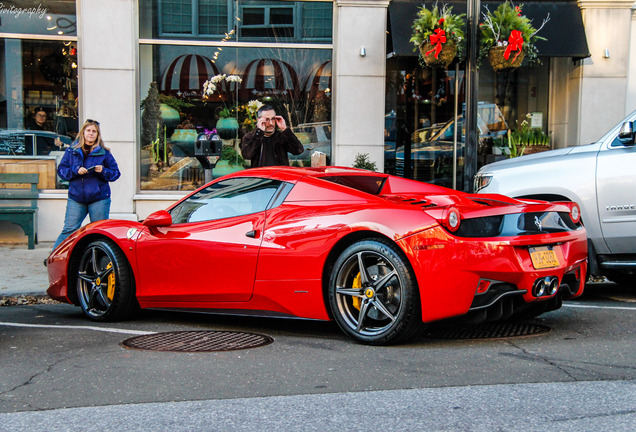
(363, 51)
(606, 53)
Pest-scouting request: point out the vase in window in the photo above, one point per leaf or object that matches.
(227, 128)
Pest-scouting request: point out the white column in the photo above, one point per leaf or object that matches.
(107, 42)
(604, 76)
(359, 80)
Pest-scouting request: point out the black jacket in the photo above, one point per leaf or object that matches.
(280, 143)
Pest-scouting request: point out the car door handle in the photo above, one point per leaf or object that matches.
(252, 234)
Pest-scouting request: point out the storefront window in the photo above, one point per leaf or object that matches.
(176, 111)
(38, 90)
(422, 115)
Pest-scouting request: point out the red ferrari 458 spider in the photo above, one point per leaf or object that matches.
(380, 255)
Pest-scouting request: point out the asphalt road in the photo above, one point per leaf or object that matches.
(59, 371)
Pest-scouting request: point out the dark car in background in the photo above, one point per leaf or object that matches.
(315, 137)
(432, 148)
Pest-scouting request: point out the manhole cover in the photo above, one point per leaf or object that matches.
(197, 341)
(486, 331)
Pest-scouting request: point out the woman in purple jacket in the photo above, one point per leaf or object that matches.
(88, 166)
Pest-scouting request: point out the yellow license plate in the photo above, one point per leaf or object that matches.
(543, 257)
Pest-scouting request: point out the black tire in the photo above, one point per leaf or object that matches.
(379, 305)
(105, 287)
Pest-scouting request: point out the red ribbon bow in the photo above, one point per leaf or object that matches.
(437, 39)
(515, 42)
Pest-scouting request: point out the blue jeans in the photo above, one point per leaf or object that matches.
(76, 213)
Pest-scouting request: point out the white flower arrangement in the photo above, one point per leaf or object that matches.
(211, 85)
(254, 105)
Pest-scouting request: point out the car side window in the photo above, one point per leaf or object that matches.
(227, 198)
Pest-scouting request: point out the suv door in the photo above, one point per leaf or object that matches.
(616, 193)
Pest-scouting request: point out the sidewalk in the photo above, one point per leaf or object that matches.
(22, 271)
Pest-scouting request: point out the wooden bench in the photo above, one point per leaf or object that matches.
(12, 190)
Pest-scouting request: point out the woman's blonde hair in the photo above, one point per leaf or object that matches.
(98, 140)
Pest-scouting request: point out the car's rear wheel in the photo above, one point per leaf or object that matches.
(105, 288)
(373, 294)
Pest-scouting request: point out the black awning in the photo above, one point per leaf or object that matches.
(564, 32)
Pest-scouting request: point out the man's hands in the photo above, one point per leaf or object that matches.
(269, 124)
(261, 123)
(280, 123)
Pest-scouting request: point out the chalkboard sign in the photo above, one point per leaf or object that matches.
(14, 143)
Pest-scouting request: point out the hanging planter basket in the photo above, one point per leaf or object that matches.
(445, 57)
(499, 62)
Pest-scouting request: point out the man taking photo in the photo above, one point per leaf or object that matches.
(271, 140)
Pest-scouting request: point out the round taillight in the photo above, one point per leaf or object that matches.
(452, 219)
(575, 212)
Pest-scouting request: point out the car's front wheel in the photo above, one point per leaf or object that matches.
(373, 294)
(105, 288)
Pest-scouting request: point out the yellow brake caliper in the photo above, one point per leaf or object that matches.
(357, 284)
(110, 293)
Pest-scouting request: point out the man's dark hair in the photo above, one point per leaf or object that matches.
(264, 108)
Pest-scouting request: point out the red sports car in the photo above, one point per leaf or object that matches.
(380, 255)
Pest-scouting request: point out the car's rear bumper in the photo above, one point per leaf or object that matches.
(456, 275)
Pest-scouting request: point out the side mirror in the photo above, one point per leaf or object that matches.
(626, 135)
(159, 218)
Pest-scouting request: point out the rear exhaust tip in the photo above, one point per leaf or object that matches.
(554, 286)
(545, 286)
(539, 287)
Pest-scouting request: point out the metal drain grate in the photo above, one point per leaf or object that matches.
(197, 341)
(487, 331)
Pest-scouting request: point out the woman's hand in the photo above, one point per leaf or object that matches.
(82, 171)
(98, 168)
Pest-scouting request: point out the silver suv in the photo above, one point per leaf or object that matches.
(600, 177)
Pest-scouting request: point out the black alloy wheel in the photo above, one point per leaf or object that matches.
(373, 294)
(105, 287)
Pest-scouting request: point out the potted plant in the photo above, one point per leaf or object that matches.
(363, 162)
(229, 162)
(508, 36)
(439, 34)
(221, 85)
(524, 140)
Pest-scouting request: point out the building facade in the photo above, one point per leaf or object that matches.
(334, 69)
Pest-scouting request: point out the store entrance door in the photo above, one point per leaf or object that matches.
(425, 133)
(424, 122)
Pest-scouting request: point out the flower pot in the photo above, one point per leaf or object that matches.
(445, 57)
(536, 149)
(227, 128)
(499, 62)
(184, 140)
(170, 116)
(224, 167)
